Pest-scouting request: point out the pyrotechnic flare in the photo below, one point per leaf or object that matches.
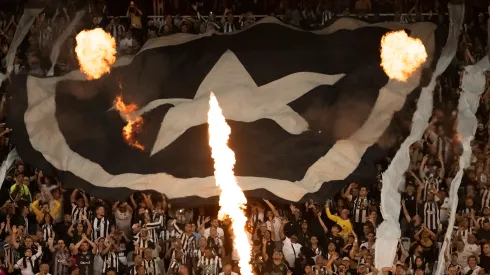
(133, 123)
(401, 55)
(232, 200)
(96, 52)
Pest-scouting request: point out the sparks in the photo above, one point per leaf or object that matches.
(232, 200)
(96, 52)
(401, 55)
(133, 124)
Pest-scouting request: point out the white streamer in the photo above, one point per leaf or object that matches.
(12, 156)
(55, 52)
(473, 85)
(2, 78)
(388, 232)
(25, 23)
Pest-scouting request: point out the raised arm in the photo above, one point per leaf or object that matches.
(442, 171)
(422, 167)
(419, 194)
(39, 252)
(325, 228)
(77, 246)
(405, 212)
(347, 194)
(333, 218)
(264, 250)
(115, 206)
(417, 235)
(56, 208)
(273, 209)
(70, 231)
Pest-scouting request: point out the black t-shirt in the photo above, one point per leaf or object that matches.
(86, 263)
(485, 263)
(410, 203)
(483, 235)
(270, 248)
(273, 269)
(292, 227)
(61, 229)
(337, 240)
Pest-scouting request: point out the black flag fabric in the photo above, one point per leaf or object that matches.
(306, 111)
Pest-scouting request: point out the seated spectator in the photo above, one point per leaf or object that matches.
(128, 44)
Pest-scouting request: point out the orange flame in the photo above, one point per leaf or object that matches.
(232, 200)
(134, 124)
(401, 55)
(96, 52)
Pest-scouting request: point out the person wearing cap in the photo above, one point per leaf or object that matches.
(342, 220)
(370, 243)
(346, 261)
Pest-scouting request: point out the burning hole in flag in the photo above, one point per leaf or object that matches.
(133, 126)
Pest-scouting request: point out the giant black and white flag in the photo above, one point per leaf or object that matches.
(306, 111)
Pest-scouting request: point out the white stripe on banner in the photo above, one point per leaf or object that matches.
(55, 52)
(473, 85)
(12, 156)
(388, 232)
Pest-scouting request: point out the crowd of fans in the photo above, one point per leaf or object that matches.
(45, 229)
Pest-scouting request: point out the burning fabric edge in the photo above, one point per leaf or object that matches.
(389, 231)
(133, 121)
(231, 200)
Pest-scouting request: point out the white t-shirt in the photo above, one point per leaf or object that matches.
(463, 258)
(277, 226)
(126, 43)
(232, 273)
(472, 249)
(221, 233)
(123, 221)
(475, 272)
(290, 251)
